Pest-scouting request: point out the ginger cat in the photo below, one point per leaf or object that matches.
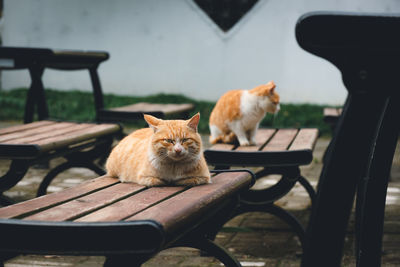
(238, 113)
(169, 152)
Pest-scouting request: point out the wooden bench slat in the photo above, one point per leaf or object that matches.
(37, 204)
(131, 205)
(23, 127)
(151, 107)
(222, 147)
(262, 136)
(87, 203)
(177, 211)
(59, 131)
(305, 139)
(13, 137)
(281, 140)
(77, 136)
(331, 112)
(176, 108)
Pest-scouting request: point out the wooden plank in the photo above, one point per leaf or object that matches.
(77, 136)
(34, 131)
(334, 112)
(40, 203)
(23, 127)
(262, 136)
(191, 205)
(150, 107)
(281, 140)
(59, 131)
(83, 205)
(176, 108)
(305, 139)
(222, 147)
(131, 205)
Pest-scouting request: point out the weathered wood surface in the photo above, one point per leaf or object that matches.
(273, 140)
(51, 135)
(105, 199)
(150, 107)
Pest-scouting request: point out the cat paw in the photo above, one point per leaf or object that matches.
(244, 143)
(152, 181)
(213, 140)
(193, 181)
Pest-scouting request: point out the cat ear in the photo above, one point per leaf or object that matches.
(194, 121)
(271, 86)
(152, 121)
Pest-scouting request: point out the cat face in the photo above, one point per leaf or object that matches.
(175, 140)
(269, 97)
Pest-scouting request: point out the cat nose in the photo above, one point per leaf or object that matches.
(178, 149)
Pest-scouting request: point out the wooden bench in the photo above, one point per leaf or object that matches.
(80, 143)
(360, 156)
(38, 59)
(28, 144)
(126, 222)
(277, 151)
(331, 116)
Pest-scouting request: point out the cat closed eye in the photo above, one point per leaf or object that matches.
(169, 141)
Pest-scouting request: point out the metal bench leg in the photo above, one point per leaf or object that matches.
(278, 212)
(308, 187)
(77, 160)
(211, 249)
(16, 172)
(124, 260)
(5, 200)
(62, 167)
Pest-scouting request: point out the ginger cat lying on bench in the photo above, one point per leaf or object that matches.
(169, 152)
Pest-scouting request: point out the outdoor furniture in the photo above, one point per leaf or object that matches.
(359, 158)
(126, 222)
(331, 116)
(278, 151)
(28, 144)
(38, 142)
(36, 60)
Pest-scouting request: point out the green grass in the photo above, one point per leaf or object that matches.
(79, 106)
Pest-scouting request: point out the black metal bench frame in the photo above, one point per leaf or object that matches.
(284, 163)
(114, 239)
(359, 158)
(36, 60)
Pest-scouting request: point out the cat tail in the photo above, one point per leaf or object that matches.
(224, 138)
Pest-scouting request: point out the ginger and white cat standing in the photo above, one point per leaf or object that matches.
(238, 113)
(169, 152)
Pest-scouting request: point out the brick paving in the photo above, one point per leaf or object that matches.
(256, 239)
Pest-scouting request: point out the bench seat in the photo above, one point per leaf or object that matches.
(36, 60)
(32, 139)
(136, 111)
(140, 221)
(37, 142)
(331, 116)
(277, 151)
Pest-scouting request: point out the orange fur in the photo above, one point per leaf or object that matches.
(169, 152)
(229, 107)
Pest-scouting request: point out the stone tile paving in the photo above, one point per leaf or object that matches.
(256, 239)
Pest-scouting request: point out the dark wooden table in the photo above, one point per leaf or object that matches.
(277, 151)
(126, 222)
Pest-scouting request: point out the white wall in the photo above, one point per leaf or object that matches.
(171, 46)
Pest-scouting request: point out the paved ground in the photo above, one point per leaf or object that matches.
(256, 239)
